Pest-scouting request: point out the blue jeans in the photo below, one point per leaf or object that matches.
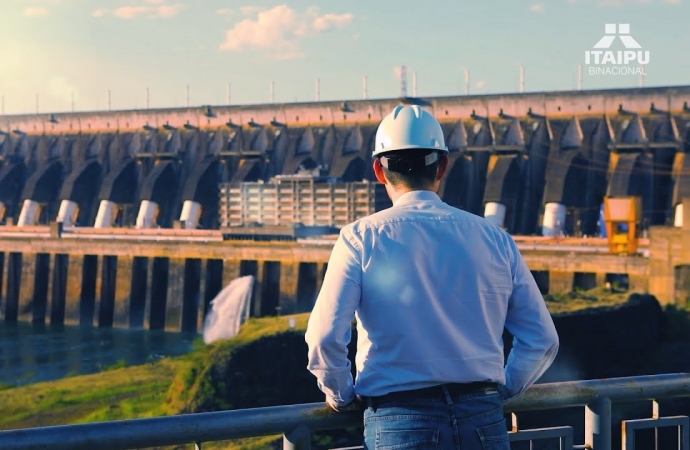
(466, 422)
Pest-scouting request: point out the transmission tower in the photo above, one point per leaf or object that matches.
(403, 81)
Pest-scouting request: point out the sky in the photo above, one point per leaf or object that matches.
(85, 55)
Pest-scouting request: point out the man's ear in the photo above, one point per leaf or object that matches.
(442, 167)
(378, 171)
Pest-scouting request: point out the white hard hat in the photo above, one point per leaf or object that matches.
(409, 127)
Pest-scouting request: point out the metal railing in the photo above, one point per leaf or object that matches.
(297, 422)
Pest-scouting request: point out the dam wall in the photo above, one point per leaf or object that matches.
(112, 219)
(544, 161)
(162, 281)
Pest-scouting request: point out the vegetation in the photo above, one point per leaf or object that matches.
(137, 391)
(578, 299)
(193, 385)
(155, 389)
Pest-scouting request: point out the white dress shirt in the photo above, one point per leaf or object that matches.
(431, 288)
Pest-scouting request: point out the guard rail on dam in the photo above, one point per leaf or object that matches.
(297, 422)
(533, 162)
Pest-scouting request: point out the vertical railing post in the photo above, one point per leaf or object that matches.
(297, 439)
(598, 424)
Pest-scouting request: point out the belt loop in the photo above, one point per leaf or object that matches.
(446, 394)
(371, 403)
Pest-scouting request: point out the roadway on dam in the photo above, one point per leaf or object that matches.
(524, 243)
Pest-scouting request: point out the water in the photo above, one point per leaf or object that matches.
(31, 353)
(229, 310)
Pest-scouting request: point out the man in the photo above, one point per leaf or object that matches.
(432, 288)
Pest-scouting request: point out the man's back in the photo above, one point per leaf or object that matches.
(436, 282)
(431, 288)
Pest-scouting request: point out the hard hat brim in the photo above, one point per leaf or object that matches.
(409, 147)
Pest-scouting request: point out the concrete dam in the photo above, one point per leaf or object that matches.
(80, 193)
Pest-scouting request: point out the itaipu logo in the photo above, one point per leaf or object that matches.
(630, 61)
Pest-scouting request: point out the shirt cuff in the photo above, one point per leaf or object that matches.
(345, 398)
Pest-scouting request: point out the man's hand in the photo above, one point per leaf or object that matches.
(355, 405)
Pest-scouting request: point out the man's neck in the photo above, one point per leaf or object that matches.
(396, 193)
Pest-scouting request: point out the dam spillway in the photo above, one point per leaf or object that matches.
(527, 155)
(535, 163)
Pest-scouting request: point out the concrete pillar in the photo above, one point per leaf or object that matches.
(107, 212)
(176, 294)
(39, 301)
(663, 255)
(159, 293)
(137, 292)
(639, 283)
(231, 270)
(106, 307)
(191, 295)
(288, 283)
(123, 286)
(554, 219)
(682, 285)
(148, 213)
(191, 213)
(67, 214)
(495, 213)
(26, 295)
(14, 282)
(600, 279)
(87, 295)
(29, 214)
(560, 281)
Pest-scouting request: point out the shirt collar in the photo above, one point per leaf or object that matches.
(416, 196)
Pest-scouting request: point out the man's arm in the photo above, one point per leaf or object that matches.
(329, 328)
(535, 341)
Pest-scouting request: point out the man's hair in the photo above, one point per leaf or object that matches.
(419, 177)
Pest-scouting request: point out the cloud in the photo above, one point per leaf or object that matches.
(328, 21)
(35, 11)
(537, 7)
(279, 29)
(151, 9)
(225, 11)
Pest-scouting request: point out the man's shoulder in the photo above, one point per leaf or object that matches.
(391, 215)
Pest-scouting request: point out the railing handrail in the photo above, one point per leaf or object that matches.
(236, 424)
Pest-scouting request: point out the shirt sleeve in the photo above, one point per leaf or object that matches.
(535, 341)
(329, 327)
